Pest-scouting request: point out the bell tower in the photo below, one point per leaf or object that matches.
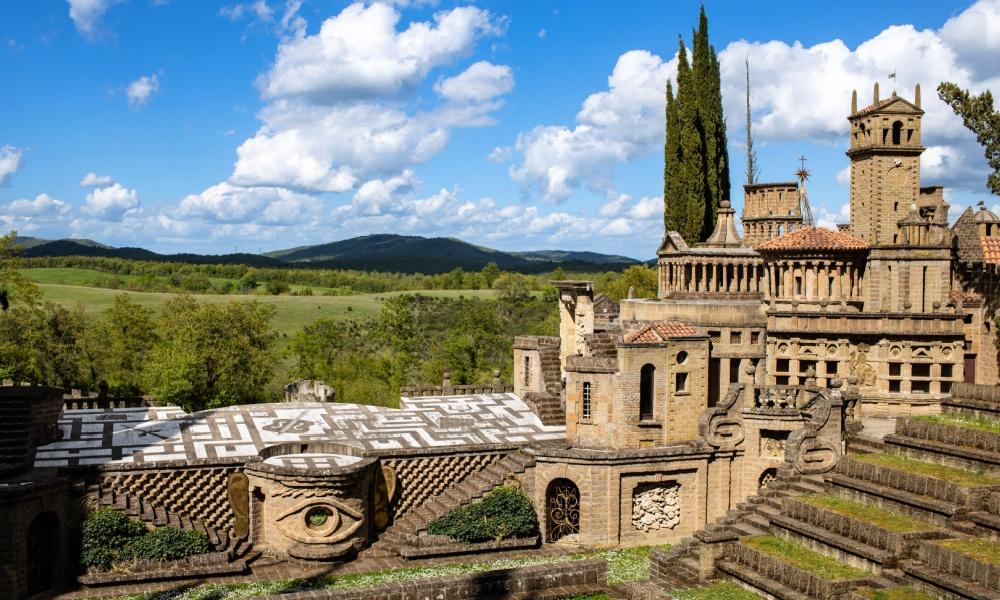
(885, 154)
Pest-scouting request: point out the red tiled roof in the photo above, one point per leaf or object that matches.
(814, 238)
(960, 297)
(659, 331)
(991, 250)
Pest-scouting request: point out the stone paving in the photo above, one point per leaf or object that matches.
(167, 434)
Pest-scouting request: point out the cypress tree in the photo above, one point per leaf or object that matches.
(675, 211)
(691, 180)
(696, 174)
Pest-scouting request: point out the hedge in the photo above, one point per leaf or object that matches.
(503, 513)
(109, 536)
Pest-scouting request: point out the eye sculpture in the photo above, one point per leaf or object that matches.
(325, 524)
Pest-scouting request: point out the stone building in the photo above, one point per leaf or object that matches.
(894, 298)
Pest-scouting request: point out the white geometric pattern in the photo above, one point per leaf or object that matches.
(165, 434)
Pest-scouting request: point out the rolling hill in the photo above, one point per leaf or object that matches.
(378, 252)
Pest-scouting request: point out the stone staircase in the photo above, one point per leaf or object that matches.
(548, 407)
(878, 520)
(160, 516)
(406, 533)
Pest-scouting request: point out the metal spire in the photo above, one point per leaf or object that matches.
(803, 175)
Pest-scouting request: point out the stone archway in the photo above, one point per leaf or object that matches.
(42, 552)
(562, 509)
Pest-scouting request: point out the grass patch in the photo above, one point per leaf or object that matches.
(897, 593)
(803, 558)
(964, 420)
(624, 564)
(892, 521)
(919, 467)
(724, 590)
(986, 551)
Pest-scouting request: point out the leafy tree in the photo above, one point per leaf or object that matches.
(277, 285)
(982, 119)
(15, 288)
(211, 355)
(490, 273)
(640, 277)
(512, 286)
(127, 333)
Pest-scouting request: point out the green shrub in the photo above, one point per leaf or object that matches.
(110, 536)
(105, 534)
(168, 543)
(503, 513)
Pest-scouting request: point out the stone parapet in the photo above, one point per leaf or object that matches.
(915, 484)
(962, 565)
(948, 434)
(534, 342)
(592, 364)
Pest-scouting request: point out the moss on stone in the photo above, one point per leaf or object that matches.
(803, 558)
(875, 515)
(983, 550)
(897, 593)
(954, 475)
(964, 420)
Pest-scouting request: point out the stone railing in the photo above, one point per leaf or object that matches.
(574, 576)
(948, 434)
(95, 402)
(447, 389)
(961, 565)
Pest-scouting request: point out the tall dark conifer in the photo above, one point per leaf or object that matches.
(700, 178)
(675, 211)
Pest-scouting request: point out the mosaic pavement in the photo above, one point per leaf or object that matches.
(164, 434)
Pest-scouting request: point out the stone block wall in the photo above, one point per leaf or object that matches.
(914, 484)
(961, 565)
(37, 520)
(948, 434)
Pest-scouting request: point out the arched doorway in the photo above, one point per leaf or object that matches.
(562, 509)
(43, 551)
(767, 477)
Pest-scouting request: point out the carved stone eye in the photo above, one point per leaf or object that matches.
(320, 521)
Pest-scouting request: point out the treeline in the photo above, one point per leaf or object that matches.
(155, 276)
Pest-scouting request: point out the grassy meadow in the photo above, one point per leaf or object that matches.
(67, 287)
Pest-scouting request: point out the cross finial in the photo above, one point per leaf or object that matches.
(802, 162)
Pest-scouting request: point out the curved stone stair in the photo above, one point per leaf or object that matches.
(160, 516)
(404, 532)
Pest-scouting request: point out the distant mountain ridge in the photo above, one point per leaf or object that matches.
(377, 252)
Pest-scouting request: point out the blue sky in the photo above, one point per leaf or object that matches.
(184, 125)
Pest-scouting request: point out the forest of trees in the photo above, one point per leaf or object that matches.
(201, 355)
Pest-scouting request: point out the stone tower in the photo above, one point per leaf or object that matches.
(885, 166)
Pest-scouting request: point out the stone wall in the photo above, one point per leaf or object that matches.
(23, 564)
(948, 434)
(961, 565)
(787, 574)
(534, 581)
(914, 484)
(899, 544)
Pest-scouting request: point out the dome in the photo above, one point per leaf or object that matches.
(985, 216)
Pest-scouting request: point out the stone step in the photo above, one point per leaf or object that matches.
(835, 541)
(924, 503)
(956, 586)
(759, 582)
(946, 454)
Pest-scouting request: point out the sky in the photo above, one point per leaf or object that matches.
(213, 127)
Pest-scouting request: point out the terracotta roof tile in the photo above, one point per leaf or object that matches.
(660, 331)
(960, 297)
(991, 250)
(814, 238)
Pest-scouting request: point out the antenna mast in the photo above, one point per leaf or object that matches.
(803, 175)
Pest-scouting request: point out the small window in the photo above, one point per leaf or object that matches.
(946, 371)
(782, 380)
(527, 370)
(831, 367)
(920, 370)
(920, 387)
(586, 399)
(682, 357)
(681, 382)
(782, 365)
(735, 337)
(895, 369)
(646, 392)
(897, 131)
(894, 386)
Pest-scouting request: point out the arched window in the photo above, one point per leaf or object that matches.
(897, 132)
(562, 509)
(646, 392)
(586, 400)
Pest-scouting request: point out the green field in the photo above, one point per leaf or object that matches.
(292, 312)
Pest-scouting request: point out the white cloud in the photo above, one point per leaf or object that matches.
(227, 203)
(626, 121)
(613, 126)
(844, 176)
(86, 15)
(10, 162)
(500, 154)
(376, 196)
(141, 91)
(92, 179)
(111, 203)
(259, 10)
(542, 34)
(647, 208)
(360, 54)
(42, 206)
(481, 82)
(339, 113)
(290, 22)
